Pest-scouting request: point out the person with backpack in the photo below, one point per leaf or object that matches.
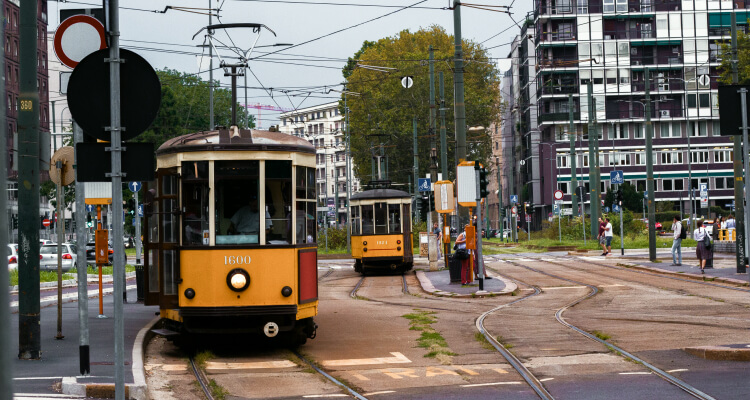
(703, 245)
(679, 234)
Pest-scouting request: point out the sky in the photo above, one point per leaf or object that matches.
(324, 35)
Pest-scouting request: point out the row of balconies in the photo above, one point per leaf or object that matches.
(550, 8)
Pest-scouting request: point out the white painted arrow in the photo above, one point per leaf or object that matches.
(397, 358)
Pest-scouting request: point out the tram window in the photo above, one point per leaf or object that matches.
(367, 220)
(237, 196)
(278, 202)
(168, 219)
(355, 220)
(312, 228)
(195, 203)
(381, 218)
(305, 209)
(170, 272)
(311, 184)
(153, 224)
(394, 218)
(153, 271)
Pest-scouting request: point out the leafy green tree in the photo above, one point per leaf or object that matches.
(383, 111)
(632, 199)
(743, 57)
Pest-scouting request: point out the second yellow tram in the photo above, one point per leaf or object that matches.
(381, 230)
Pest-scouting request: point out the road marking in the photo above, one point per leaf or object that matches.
(491, 384)
(635, 373)
(435, 371)
(317, 396)
(360, 376)
(251, 365)
(381, 392)
(397, 358)
(468, 371)
(546, 379)
(678, 370)
(564, 287)
(500, 370)
(407, 373)
(174, 367)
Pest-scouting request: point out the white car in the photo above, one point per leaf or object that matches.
(12, 256)
(48, 257)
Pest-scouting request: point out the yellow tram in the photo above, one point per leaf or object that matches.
(381, 230)
(214, 262)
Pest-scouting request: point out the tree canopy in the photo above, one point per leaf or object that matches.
(383, 111)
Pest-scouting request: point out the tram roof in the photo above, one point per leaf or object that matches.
(380, 194)
(236, 139)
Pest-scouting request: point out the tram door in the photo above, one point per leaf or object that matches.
(162, 259)
(406, 217)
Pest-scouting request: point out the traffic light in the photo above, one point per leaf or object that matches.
(432, 201)
(483, 192)
(618, 195)
(89, 223)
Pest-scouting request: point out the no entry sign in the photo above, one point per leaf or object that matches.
(77, 37)
(46, 222)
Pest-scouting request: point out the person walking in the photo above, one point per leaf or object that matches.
(608, 236)
(679, 234)
(439, 233)
(600, 237)
(701, 252)
(730, 226)
(461, 244)
(476, 255)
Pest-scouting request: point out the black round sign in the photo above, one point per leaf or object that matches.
(89, 94)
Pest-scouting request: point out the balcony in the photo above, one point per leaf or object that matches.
(558, 116)
(563, 89)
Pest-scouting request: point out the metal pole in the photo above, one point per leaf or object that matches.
(117, 226)
(444, 157)
(82, 239)
(416, 167)
(29, 328)
(210, 75)
(6, 369)
(622, 238)
(137, 230)
(739, 177)
(743, 98)
(650, 172)
(573, 172)
(480, 260)
(458, 101)
(59, 226)
(348, 177)
(690, 173)
(592, 162)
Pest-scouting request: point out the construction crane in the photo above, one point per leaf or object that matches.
(259, 107)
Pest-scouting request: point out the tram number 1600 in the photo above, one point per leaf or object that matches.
(236, 260)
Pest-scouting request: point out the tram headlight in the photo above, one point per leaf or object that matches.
(189, 293)
(238, 279)
(364, 243)
(286, 291)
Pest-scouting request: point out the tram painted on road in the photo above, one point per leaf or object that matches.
(381, 230)
(230, 235)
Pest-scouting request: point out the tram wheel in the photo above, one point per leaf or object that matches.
(358, 266)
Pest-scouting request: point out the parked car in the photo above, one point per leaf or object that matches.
(708, 225)
(657, 224)
(48, 257)
(91, 253)
(12, 256)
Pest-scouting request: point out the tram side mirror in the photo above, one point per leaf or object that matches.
(148, 201)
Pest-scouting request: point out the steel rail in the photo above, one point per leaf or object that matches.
(329, 377)
(530, 378)
(594, 290)
(405, 288)
(353, 293)
(201, 378)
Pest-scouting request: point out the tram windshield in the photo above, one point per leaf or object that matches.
(195, 203)
(238, 202)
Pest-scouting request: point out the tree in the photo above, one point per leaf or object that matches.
(383, 111)
(743, 57)
(632, 199)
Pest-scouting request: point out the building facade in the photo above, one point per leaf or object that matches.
(619, 48)
(324, 127)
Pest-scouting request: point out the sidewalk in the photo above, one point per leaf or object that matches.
(57, 371)
(438, 282)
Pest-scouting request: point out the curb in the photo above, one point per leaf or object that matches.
(719, 353)
(138, 390)
(90, 278)
(428, 287)
(736, 282)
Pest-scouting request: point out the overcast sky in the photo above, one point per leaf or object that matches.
(165, 38)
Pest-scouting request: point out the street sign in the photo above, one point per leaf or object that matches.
(140, 210)
(606, 209)
(616, 177)
(558, 195)
(46, 222)
(89, 207)
(556, 209)
(407, 82)
(704, 80)
(514, 199)
(467, 184)
(645, 194)
(528, 218)
(134, 186)
(566, 211)
(602, 203)
(730, 109)
(425, 185)
(77, 37)
(514, 210)
(558, 202)
(616, 208)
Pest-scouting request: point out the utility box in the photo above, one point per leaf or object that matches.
(102, 246)
(432, 251)
(424, 246)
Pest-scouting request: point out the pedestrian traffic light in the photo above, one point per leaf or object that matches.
(89, 223)
(483, 182)
(618, 195)
(432, 201)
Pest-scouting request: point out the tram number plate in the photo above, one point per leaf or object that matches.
(385, 242)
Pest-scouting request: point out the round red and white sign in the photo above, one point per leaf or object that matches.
(514, 210)
(77, 37)
(45, 222)
(558, 195)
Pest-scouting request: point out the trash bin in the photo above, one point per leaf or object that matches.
(139, 283)
(710, 260)
(454, 267)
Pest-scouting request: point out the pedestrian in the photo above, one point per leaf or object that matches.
(701, 252)
(461, 245)
(608, 236)
(679, 234)
(436, 230)
(730, 227)
(476, 255)
(600, 237)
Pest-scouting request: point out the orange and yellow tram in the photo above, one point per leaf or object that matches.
(381, 230)
(230, 235)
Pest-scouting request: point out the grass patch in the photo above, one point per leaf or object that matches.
(218, 392)
(429, 339)
(479, 337)
(202, 358)
(601, 335)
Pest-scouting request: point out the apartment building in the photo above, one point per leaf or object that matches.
(324, 127)
(611, 44)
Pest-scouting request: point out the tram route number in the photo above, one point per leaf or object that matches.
(236, 260)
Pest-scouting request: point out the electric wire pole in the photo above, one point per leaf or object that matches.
(739, 181)
(650, 171)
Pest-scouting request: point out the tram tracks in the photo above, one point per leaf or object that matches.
(201, 378)
(593, 290)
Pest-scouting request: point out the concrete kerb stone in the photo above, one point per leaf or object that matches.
(90, 278)
(138, 390)
(697, 277)
(719, 353)
(428, 287)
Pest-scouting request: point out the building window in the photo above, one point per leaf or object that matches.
(671, 157)
(564, 187)
(699, 157)
(619, 159)
(723, 156)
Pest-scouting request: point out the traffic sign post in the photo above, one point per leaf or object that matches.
(77, 37)
(514, 199)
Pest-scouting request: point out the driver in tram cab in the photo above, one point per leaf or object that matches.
(246, 220)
